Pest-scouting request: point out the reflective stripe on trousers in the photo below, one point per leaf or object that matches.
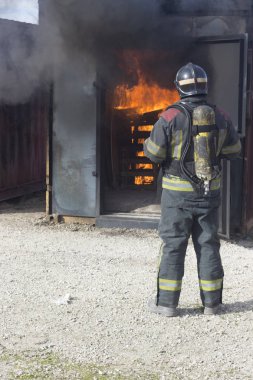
(169, 285)
(210, 286)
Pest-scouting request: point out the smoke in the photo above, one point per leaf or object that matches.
(17, 69)
(31, 56)
(104, 28)
(205, 6)
(112, 24)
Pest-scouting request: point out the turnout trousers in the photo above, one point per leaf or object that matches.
(179, 221)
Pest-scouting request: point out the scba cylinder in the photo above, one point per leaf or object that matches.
(203, 121)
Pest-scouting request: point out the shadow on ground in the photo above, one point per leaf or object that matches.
(228, 308)
(26, 204)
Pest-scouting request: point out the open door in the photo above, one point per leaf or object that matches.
(227, 58)
(74, 140)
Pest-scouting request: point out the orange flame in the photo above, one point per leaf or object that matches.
(146, 180)
(144, 166)
(145, 128)
(146, 95)
(143, 97)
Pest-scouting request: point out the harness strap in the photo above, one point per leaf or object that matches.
(185, 173)
(174, 168)
(181, 167)
(197, 129)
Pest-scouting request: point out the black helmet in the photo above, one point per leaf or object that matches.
(191, 80)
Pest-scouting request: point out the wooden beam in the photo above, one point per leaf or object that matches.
(75, 219)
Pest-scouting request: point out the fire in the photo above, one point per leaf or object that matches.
(146, 95)
(143, 97)
(143, 180)
(145, 128)
(144, 166)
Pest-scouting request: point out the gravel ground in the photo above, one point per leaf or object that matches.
(73, 306)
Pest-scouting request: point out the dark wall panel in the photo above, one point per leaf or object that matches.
(23, 131)
(248, 162)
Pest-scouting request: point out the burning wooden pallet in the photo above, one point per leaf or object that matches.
(135, 168)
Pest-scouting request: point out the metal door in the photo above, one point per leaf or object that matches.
(227, 58)
(74, 139)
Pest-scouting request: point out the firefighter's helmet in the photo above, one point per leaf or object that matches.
(191, 80)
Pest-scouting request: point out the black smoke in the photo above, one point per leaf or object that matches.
(206, 7)
(107, 27)
(22, 61)
(31, 55)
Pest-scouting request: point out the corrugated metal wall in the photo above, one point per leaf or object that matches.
(23, 136)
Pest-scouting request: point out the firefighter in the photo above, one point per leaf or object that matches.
(188, 141)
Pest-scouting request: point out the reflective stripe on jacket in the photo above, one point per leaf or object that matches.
(179, 184)
(170, 132)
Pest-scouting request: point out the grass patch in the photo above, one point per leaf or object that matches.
(49, 366)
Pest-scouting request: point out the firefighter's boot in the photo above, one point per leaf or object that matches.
(211, 310)
(166, 311)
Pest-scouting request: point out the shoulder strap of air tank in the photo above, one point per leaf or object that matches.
(181, 106)
(184, 172)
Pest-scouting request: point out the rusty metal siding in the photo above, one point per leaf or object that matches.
(23, 133)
